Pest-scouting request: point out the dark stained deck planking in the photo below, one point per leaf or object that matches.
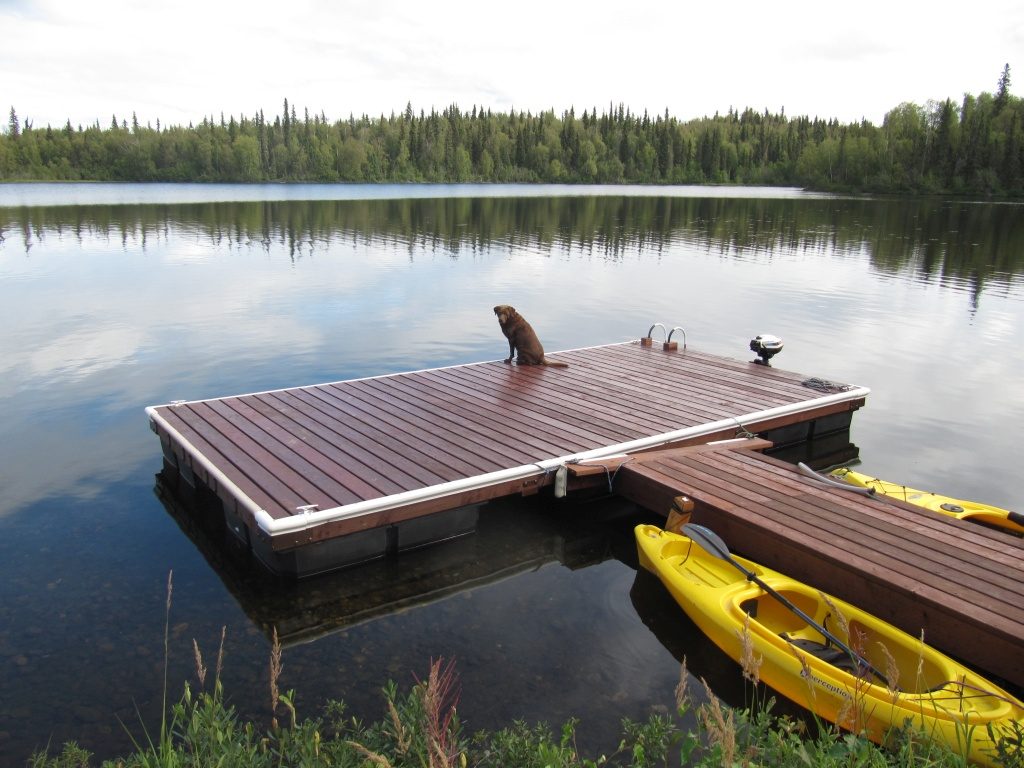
(312, 463)
(961, 583)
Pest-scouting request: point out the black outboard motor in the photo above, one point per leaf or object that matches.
(766, 346)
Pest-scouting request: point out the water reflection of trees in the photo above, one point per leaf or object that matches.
(929, 238)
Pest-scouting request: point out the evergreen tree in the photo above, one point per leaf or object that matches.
(1003, 88)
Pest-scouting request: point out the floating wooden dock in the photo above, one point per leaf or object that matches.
(962, 583)
(315, 477)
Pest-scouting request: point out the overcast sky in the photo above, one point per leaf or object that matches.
(178, 60)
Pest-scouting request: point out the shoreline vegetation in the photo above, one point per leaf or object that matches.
(422, 729)
(974, 147)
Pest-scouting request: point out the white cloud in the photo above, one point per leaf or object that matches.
(179, 62)
(83, 353)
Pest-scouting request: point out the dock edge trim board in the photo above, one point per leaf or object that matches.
(311, 519)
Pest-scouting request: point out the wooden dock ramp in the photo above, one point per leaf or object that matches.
(360, 467)
(961, 583)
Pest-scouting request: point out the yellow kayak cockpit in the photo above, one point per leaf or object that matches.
(894, 655)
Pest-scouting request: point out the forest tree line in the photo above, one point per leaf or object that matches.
(975, 146)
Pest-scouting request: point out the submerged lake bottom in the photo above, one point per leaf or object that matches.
(109, 307)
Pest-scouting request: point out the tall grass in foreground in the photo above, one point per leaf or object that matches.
(420, 728)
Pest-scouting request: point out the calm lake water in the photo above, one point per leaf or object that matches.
(115, 297)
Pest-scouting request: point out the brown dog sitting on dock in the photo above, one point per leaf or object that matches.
(522, 338)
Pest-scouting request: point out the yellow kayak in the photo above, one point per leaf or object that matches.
(831, 659)
(958, 508)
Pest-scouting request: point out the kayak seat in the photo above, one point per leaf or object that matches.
(837, 657)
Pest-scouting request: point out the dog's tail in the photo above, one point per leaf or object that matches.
(553, 363)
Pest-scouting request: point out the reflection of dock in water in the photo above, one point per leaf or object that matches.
(511, 537)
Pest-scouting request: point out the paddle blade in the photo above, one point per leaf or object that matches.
(707, 540)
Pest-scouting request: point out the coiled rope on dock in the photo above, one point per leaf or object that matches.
(826, 386)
